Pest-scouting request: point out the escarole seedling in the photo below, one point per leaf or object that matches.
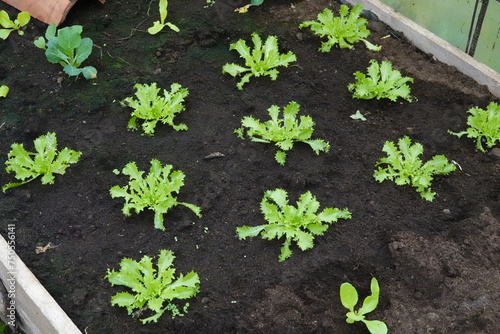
(159, 25)
(151, 287)
(67, 48)
(382, 82)
(155, 191)
(299, 224)
(284, 132)
(349, 299)
(344, 30)
(45, 162)
(152, 108)
(404, 166)
(9, 26)
(262, 60)
(484, 126)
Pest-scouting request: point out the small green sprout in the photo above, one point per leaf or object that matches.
(382, 82)
(155, 191)
(151, 287)
(299, 224)
(152, 108)
(262, 60)
(67, 48)
(283, 132)
(4, 90)
(349, 299)
(404, 166)
(344, 30)
(159, 25)
(484, 126)
(9, 26)
(45, 162)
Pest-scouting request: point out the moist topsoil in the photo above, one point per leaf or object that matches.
(436, 262)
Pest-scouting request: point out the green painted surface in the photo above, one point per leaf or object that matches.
(451, 20)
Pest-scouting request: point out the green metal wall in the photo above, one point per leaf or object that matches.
(452, 19)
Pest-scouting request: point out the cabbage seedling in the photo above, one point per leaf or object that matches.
(45, 162)
(9, 26)
(404, 166)
(344, 30)
(382, 82)
(152, 287)
(299, 224)
(484, 126)
(284, 132)
(262, 60)
(152, 108)
(159, 25)
(349, 299)
(67, 48)
(155, 191)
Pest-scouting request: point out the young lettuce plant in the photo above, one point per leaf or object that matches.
(151, 287)
(344, 30)
(9, 26)
(349, 299)
(299, 224)
(45, 162)
(159, 25)
(152, 108)
(155, 191)
(403, 166)
(262, 60)
(484, 126)
(382, 82)
(67, 48)
(284, 132)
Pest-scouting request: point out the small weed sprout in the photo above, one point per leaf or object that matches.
(159, 25)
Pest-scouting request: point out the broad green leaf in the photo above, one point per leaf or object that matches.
(69, 38)
(156, 28)
(4, 33)
(370, 303)
(23, 18)
(376, 326)
(5, 20)
(249, 231)
(348, 296)
(123, 299)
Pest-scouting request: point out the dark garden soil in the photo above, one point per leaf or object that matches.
(436, 262)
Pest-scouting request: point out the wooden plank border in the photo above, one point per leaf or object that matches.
(431, 43)
(36, 312)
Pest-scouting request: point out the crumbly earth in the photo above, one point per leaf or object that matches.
(436, 262)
